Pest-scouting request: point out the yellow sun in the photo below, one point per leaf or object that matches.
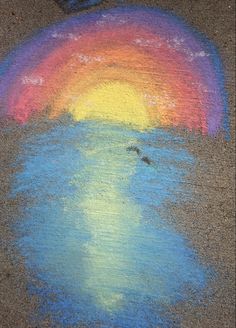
(112, 101)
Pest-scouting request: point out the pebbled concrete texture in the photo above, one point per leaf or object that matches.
(208, 222)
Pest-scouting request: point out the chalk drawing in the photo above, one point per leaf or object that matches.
(116, 84)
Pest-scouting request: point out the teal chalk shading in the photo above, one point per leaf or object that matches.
(77, 5)
(105, 255)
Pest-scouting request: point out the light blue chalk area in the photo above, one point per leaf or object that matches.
(92, 232)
